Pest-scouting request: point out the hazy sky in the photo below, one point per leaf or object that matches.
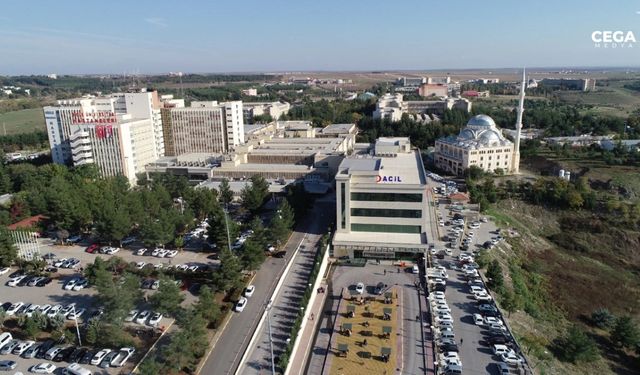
(72, 36)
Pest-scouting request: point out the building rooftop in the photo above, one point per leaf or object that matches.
(402, 169)
(407, 240)
(337, 128)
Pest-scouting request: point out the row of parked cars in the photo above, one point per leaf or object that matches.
(69, 311)
(51, 351)
(28, 280)
(449, 361)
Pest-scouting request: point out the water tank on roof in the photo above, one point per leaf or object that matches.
(567, 175)
(561, 173)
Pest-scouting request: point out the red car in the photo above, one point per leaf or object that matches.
(92, 248)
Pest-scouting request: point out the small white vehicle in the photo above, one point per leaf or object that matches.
(360, 288)
(241, 304)
(248, 291)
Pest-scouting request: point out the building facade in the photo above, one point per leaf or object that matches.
(381, 203)
(205, 127)
(62, 119)
(432, 89)
(480, 143)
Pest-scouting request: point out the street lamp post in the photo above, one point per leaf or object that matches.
(226, 222)
(75, 318)
(273, 365)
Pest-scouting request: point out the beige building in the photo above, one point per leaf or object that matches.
(205, 127)
(480, 143)
(440, 90)
(381, 209)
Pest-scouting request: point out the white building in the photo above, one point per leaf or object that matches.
(62, 119)
(480, 143)
(273, 109)
(121, 148)
(381, 202)
(205, 127)
(392, 106)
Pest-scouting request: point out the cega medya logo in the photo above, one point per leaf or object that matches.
(613, 39)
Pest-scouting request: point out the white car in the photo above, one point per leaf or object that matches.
(171, 253)
(76, 314)
(99, 356)
(158, 266)
(444, 318)
(359, 288)
(484, 219)
(155, 319)
(143, 316)
(55, 310)
(14, 281)
(477, 319)
(141, 251)
(44, 309)
(160, 253)
(43, 368)
(71, 283)
(499, 349)
(113, 250)
(489, 320)
(475, 289)
(140, 265)
(438, 302)
(437, 295)
(248, 291)
(13, 309)
(22, 346)
(442, 308)
(123, 355)
(31, 310)
(511, 358)
(131, 316)
(80, 284)
(4, 270)
(449, 358)
(241, 304)
(193, 268)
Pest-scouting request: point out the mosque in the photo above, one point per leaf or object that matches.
(482, 144)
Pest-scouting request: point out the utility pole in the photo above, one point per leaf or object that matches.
(75, 318)
(273, 365)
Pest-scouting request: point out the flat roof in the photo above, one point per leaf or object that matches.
(407, 167)
(337, 128)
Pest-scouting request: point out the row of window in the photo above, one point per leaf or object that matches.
(385, 212)
(386, 197)
(386, 228)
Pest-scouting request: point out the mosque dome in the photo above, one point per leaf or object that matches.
(481, 121)
(467, 134)
(489, 137)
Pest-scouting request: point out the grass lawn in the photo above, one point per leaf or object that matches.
(25, 121)
(354, 363)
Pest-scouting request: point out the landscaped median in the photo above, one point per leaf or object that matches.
(319, 265)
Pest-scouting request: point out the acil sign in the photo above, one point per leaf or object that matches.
(388, 179)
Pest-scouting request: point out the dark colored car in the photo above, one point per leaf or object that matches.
(493, 340)
(16, 274)
(44, 348)
(64, 354)
(7, 365)
(26, 280)
(92, 248)
(449, 348)
(5, 306)
(43, 282)
(379, 287)
(88, 355)
(77, 355)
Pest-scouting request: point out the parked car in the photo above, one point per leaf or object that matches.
(80, 284)
(92, 248)
(13, 282)
(131, 316)
(241, 304)
(155, 319)
(13, 309)
(123, 356)
(43, 368)
(52, 352)
(44, 348)
(8, 348)
(511, 358)
(499, 349)
(106, 361)
(7, 365)
(99, 356)
(63, 354)
(478, 320)
(32, 351)
(45, 281)
(22, 347)
(359, 288)
(76, 314)
(143, 316)
(248, 291)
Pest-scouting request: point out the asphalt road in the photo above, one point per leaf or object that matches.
(228, 350)
(476, 358)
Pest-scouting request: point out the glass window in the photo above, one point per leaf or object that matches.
(386, 197)
(383, 212)
(386, 228)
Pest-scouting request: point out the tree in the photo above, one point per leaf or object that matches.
(252, 255)
(118, 298)
(229, 274)
(178, 242)
(494, 273)
(510, 302)
(254, 194)
(203, 201)
(62, 235)
(56, 322)
(602, 318)
(113, 222)
(218, 224)
(168, 298)
(576, 346)
(8, 249)
(625, 333)
(150, 366)
(226, 195)
(31, 327)
(207, 306)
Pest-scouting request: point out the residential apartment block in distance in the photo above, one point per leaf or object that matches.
(205, 127)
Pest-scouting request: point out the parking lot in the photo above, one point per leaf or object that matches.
(54, 293)
(471, 333)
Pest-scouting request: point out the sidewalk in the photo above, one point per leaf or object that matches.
(298, 361)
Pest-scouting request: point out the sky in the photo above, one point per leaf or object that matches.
(193, 36)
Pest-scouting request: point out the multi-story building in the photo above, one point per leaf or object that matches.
(62, 118)
(273, 109)
(427, 89)
(381, 202)
(392, 106)
(410, 81)
(205, 127)
(120, 147)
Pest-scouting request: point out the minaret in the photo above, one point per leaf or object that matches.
(515, 160)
